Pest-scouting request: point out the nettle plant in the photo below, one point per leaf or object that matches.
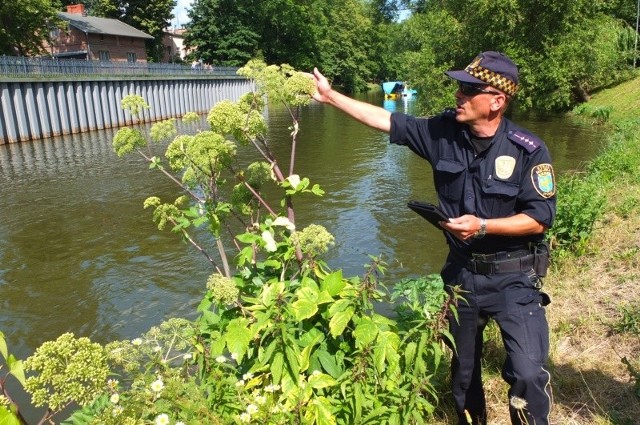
(281, 338)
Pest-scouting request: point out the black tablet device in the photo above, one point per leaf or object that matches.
(432, 213)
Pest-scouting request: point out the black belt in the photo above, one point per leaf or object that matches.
(499, 262)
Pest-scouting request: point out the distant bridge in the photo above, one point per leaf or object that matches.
(41, 98)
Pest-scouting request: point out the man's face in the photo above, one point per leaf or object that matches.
(474, 102)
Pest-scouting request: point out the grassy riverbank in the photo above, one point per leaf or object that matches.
(595, 312)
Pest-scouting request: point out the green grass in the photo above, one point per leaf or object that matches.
(623, 98)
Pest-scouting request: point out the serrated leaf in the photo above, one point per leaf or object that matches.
(320, 412)
(386, 351)
(293, 361)
(338, 306)
(306, 304)
(264, 357)
(329, 363)
(359, 401)
(238, 337)
(321, 380)
(409, 354)
(340, 320)
(365, 332)
(333, 283)
(277, 367)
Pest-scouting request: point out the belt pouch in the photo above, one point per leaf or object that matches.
(541, 258)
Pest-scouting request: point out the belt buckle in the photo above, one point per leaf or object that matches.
(481, 267)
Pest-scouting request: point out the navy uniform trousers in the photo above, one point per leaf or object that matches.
(512, 300)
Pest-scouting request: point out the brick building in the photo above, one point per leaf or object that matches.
(93, 38)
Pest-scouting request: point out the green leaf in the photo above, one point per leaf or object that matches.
(340, 305)
(238, 336)
(329, 363)
(340, 320)
(271, 292)
(7, 417)
(265, 355)
(365, 332)
(16, 369)
(386, 351)
(321, 380)
(247, 238)
(306, 305)
(293, 361)
(333, 284)
(277, 367)
(316, 190)
(306, 352)
(320, 412)
(359, 400)
(409, 354)
(3, 346)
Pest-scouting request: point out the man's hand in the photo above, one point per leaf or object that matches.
(368, 114)
(323, 88)
(464, 227)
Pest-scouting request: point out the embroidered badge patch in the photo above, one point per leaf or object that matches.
(544, 180)
(505, 166)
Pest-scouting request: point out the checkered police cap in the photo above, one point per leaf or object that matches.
(491, 68)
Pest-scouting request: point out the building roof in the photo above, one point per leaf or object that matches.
(95, 25)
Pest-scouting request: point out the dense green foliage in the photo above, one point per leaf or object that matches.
(582, 197)
(24, 25)
(565, 48)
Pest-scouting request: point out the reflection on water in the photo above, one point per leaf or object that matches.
(79, 254)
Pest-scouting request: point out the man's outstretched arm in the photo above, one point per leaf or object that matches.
(368, 114)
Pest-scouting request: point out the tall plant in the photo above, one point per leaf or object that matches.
(281, 338)
(305, 337)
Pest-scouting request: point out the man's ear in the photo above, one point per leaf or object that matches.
(498, 102)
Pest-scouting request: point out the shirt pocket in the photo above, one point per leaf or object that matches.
(499, 198)
(449, 179)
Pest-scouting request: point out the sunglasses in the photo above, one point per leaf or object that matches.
(471, 90)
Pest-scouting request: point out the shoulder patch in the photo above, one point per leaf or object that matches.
(529, 142)
(544, 180)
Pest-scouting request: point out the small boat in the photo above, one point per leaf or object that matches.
(395, 89)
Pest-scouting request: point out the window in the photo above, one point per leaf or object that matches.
(104, 55)
(131, 57)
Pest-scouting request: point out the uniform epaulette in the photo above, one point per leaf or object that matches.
(449, 112)
(528, 141)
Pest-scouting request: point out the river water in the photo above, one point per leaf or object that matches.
(79, 254)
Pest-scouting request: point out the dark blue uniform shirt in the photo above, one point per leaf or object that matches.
(514, 175)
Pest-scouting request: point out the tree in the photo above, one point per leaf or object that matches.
(565, 49)
(345, 45)
(221, 32)
(26, 25)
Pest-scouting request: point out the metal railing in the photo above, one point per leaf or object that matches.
(20, 67)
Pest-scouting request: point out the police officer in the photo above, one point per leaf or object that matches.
(496, 180)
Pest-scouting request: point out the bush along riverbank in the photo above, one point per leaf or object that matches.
(281, 338)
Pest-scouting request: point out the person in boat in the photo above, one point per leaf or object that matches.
(496, 181)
